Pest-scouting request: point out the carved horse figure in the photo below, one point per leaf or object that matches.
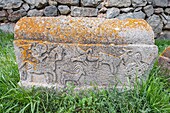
(112, 61)
(68, 76)
(84, 56)
(39, 51)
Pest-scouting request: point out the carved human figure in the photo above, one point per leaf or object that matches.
(43, 67)
(39, 50)
(73, 76)
(85, 56)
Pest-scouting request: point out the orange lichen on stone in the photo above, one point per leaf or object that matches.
(78, 30)
(25, 49)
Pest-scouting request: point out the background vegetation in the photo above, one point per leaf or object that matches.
(152, 96)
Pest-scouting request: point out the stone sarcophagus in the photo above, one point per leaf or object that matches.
(54, 51)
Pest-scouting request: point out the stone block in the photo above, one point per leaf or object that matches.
(69, 2)
(35, 12)
(10, 4)
(3, 15)
(54, 51)
(164, 59)
(91, 3)
(149, 10)
(37, 3)
(156, 22)
(158, 10)
(63, 9)
(160, 3)
(118, 3)
(7, 27)
(112, 12)
(137, 3)
(16, 15)
(51, 11)
(83, 12)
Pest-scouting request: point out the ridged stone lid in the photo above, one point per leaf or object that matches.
(84, 30)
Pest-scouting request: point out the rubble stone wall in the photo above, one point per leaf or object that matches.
(155, 12)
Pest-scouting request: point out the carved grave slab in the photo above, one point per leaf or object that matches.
(54, 51)
(164, 59)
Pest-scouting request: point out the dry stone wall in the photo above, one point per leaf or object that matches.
(156, 12)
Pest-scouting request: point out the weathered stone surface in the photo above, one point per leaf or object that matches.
(149, 1)
(10, 11)
(9, 4)
(138, 9)
(165, 35)
(26, 6)
(149, 10)
(139, 15)
(102, 15)
(112, 12)
(158, 10)
(3, 15)
(69, 2)
(37, 3)
(125, 10)
(91, 3)
(156, 23)
(135, 15)
(83, 51)
(160, 3)
(103, 10)
(167, 10)
(137, 3)
(125, 16)
(52, 2)
(7, 27)
(104, 31)
(63, 9)
(118, 3)
(83, 12)
(35, 12)
(164, 20)
(167, 26)
(51, 11)
(16, 15)
(164, 59)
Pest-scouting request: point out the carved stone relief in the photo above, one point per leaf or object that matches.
(79, 64)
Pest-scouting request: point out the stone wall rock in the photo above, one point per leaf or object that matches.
(118, 3)
(37, 3)
(35, 12)
(63, 9)
(3, 15)
(149, 10)
(156, 23)
(68, 2)
(160, 3)
(83, 12)
(112, 12)
(164, 60)
(10, 4)
(51, 11)
(91, 3)
(137, 3)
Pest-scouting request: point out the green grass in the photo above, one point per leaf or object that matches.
(152, 96)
